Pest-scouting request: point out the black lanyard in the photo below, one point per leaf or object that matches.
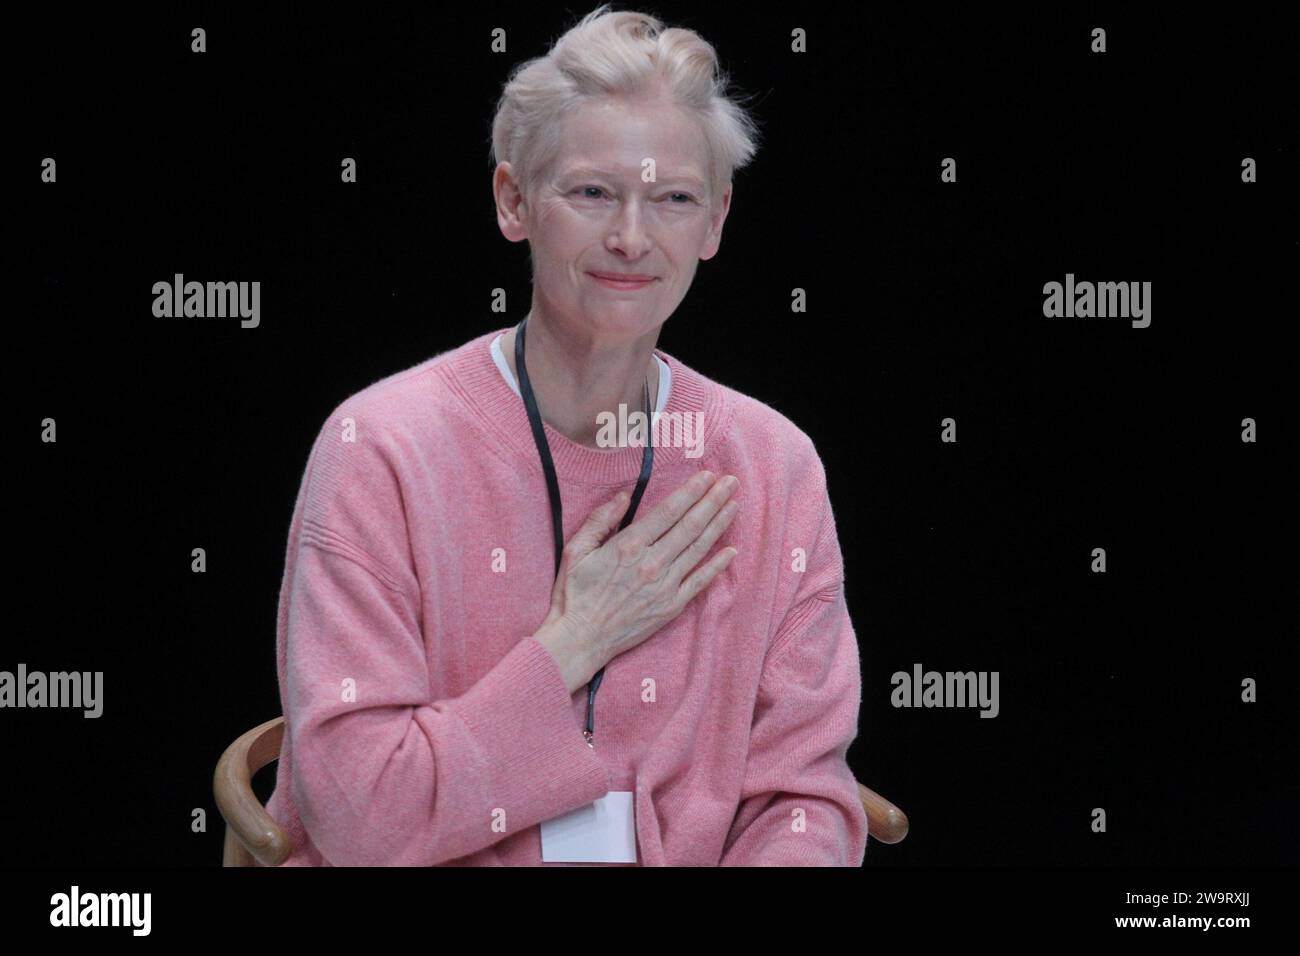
(553, 490)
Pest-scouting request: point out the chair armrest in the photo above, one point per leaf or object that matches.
(244, 814)
(885, 822)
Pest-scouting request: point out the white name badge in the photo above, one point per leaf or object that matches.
(600, 832)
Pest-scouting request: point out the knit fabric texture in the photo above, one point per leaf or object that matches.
(425, 724)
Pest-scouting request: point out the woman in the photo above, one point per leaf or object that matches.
(504, 642)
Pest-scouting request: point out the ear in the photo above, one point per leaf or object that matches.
(511, 210)
(717, 217)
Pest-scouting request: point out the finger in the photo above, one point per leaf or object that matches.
(695, 521)
(698, 548)
(646, 531)
(694, 584)
(599, 525)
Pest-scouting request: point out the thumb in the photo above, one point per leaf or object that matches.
(586, 539)
(600, 524)
(594, 530)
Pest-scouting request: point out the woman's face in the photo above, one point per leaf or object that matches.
(593, 213)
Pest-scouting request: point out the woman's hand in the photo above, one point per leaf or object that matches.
(613, 593)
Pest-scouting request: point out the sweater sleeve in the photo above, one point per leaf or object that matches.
(799, 803)
(381, 774)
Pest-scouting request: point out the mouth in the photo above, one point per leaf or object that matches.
(615, 281)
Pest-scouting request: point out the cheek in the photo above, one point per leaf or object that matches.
(553, 220)
(566, 233)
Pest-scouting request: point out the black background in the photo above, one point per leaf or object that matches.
(1118, 690)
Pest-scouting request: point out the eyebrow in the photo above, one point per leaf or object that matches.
(687, 178)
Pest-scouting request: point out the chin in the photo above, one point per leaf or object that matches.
(633, 322)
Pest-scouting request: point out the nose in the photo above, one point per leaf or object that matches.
(628, 234)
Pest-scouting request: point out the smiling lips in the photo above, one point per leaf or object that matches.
(619, 280)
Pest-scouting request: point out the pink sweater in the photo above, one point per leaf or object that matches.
(420, 709)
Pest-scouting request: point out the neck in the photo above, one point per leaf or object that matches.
(576, 376)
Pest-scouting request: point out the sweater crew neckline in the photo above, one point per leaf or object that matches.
(698, 403)
(665, 374)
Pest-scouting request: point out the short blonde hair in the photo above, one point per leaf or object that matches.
(619, 54)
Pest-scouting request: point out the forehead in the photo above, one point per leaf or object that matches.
(614, 136)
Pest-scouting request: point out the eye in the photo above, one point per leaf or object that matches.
(689, 199)
(583, 190)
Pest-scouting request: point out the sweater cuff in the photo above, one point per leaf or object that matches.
(521, 715)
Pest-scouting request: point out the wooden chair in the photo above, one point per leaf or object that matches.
(251, 831)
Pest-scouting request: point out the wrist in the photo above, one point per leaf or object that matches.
(571, 651)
